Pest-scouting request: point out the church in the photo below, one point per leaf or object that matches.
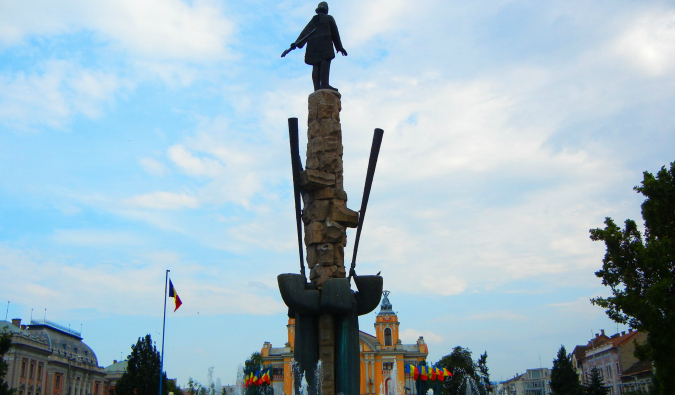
(381, 355)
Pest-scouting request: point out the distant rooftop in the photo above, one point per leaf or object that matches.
(56, 326)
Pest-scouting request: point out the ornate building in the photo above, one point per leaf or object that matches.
(381, 355)
(48, 359)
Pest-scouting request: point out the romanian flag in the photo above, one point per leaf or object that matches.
(173, 294)
(267, 377)
(446, 373)
(432, 374)
(254, 378)
(423, 373)
(439, 374)
(416, 373)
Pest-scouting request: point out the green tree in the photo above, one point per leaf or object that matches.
(467, 376)
(564, 379)
(5, 343)
(142, 375)
(595, 384)
(641, 274)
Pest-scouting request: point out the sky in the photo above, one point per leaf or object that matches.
(150, 135)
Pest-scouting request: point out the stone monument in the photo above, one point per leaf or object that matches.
(325, 308)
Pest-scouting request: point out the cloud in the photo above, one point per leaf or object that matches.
(153, 167)
(193, 165)
(151, 29)
(54, 92)
(649, 42)
(410, 335)
(60, 285)
(162, 200)
(96, 237)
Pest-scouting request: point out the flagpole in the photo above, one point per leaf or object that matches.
(161, 363)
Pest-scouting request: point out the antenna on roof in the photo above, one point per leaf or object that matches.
(45, 317)
(7, 312)
(31, 315)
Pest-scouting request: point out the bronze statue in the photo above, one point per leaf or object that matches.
(320, 34)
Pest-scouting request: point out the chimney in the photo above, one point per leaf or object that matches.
(23, 327)
(16, 322)
(114, 361)
(630, 330)
(596, 335)
(602, 331)
(623, 333)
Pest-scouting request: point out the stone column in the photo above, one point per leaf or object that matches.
(325, 213)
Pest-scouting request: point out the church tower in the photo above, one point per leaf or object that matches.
(386, 325)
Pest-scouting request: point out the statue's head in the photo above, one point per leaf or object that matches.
(322, 8)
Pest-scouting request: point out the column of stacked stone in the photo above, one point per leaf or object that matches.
(325, 213)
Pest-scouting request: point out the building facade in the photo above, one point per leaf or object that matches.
(48, 359)
(614, 358)
(532, 382)
(383, 356)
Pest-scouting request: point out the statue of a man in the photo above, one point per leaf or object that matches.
(320, 34)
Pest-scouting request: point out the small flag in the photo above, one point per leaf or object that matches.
(446, 373)
(439, 374)
(416, 374)
(423, 373)
(432, 374)
(173, 294)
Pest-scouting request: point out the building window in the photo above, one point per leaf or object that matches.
(57, 383)
(32, 371)
(387, 337)
(39, 372)
(387, 365)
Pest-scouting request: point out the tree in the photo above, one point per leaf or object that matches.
(595, 384)
(142, 375)
(641, 274)
(5, 343)
(467, 375)
(564, 379)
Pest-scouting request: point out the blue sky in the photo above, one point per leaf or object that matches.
(140, 136)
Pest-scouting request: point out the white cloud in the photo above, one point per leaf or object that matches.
(96, 237)
(163, 200)
(60, 286)
(649, 42)
(54, 93)
(153, 29)
(153, 167)
(193, 165)
(410, 335)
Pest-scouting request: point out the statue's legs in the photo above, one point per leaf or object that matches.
(321, 75)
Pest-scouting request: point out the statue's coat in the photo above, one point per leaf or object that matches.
(320, 43)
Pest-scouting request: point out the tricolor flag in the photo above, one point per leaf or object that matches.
(446, 373)
(439, 374)
(432, 373)
(423, 373)
(416, 373)
(173, 294)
